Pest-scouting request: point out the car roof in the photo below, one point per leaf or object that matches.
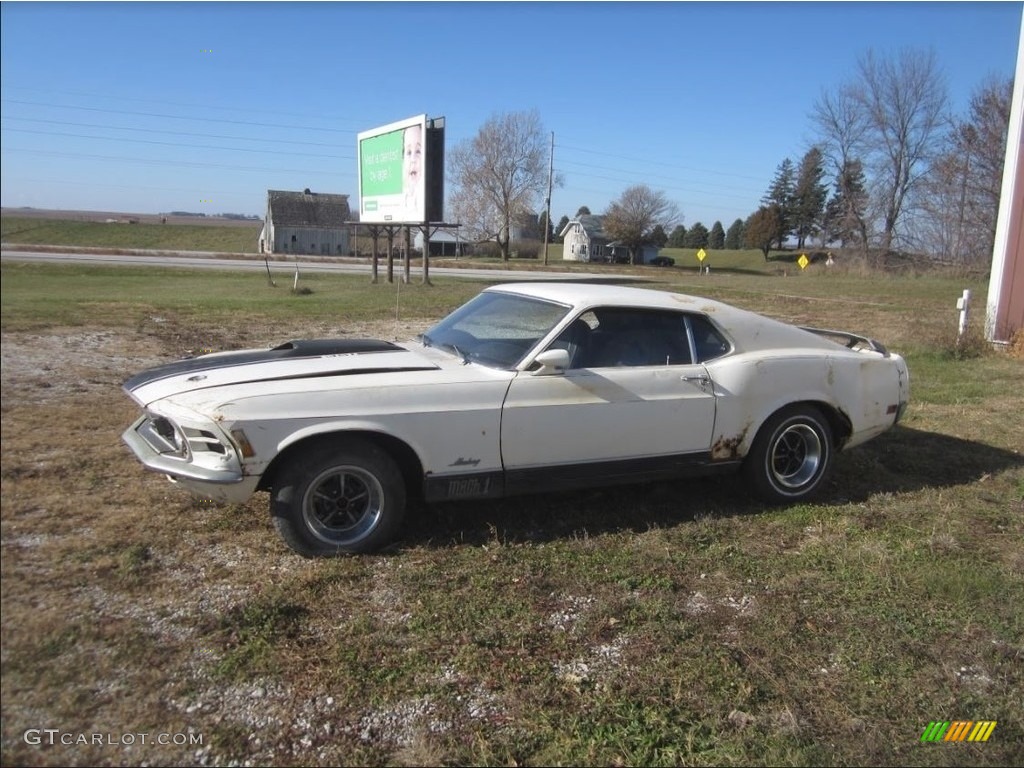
(584, 295)
(749, 330)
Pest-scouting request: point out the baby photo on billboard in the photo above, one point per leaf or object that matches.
(412, 169)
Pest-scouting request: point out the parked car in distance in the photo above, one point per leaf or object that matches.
(663, 261)
(526, 388)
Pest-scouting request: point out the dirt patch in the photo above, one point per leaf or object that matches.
(106, 604)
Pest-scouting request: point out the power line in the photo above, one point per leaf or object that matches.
(660, 163)
(90, 183)
(632, 180)
(176, 163)
(179, 117)
(177, 144)
(169, 133)
(619, 175)
(162, 102)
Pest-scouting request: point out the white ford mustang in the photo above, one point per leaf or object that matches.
(525, 388)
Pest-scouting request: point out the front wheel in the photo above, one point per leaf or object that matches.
(791, 455)
(338, 500)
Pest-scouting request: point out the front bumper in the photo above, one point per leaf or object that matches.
(225, 483)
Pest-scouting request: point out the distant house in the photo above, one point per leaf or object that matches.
(442, 243)
(584, 239)
(306, 222)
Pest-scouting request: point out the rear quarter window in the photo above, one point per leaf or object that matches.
(708, 341)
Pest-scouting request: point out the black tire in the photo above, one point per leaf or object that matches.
(347, 498)
(791, 455)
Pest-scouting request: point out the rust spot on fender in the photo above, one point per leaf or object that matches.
(727, 448)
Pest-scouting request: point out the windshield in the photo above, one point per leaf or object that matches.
(495, 329)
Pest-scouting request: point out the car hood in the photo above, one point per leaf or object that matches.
(300, 359)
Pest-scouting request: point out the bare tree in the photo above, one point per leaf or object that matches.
(905, 101)
(845, 217)
(960, 203)
(499, 175)
(892, 117)
(843, 127)
(633, 217)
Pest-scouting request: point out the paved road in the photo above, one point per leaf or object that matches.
(285, 269)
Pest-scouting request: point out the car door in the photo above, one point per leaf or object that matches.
(632, 402)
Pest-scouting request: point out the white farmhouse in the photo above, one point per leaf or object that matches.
(583, 239)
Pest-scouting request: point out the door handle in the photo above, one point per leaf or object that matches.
(701, 380)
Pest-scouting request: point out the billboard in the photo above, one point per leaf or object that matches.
(401, 172)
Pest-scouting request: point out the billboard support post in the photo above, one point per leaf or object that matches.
(407, 255)
(425, 229)
(390, 232)
(374, 233)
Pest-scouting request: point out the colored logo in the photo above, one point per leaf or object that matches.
(959, 730)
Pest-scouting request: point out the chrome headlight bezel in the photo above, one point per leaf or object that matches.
(186, 439)
(165, 436)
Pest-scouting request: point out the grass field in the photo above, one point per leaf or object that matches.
(229, 238)
(667, 624)
(74, 230)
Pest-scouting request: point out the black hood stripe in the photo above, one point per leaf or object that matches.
(328, 374)
(289, 350)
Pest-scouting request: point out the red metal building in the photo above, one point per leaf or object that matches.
(1005, 315)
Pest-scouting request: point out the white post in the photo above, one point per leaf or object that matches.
(962, 305)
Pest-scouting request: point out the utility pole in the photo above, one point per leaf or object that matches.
(547, 222)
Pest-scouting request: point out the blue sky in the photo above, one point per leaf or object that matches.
(153, 107)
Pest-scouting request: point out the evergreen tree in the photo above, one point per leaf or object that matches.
(846, 212)
(697, 236)
(658, 236)
(716, 237)
(582, 211)
(678, 237)
(562, 223)
(809, 196)
(542, 225)
(734, 235)
(780, 194)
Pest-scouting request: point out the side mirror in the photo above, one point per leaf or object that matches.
(552, 362)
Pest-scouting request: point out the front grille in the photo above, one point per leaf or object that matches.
(202, 440)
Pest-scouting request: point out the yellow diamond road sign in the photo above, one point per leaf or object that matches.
(803, 261)
(701, 255)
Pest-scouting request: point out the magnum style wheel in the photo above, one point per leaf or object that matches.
(339, 500)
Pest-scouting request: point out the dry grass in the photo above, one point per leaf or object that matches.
(669, 624)
(1017, 345)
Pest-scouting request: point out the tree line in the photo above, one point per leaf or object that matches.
(888, 169)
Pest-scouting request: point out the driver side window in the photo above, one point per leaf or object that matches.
(623, 337)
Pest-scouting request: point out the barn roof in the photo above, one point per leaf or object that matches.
(307, 209)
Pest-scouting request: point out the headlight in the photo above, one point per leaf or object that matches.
(171, 440)
(182, 442)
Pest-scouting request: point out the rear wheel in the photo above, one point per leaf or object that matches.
(342, 499)
(791, 455)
